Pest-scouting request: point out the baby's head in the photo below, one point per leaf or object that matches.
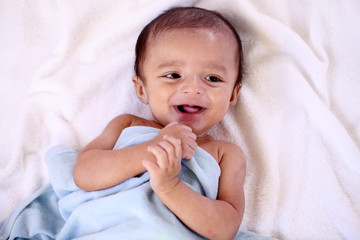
(188, 68)
(187, 18)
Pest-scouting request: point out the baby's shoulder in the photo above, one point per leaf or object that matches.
(223, 150)
(139, 121)
(227, 149)
(129, 120)
(231, 158)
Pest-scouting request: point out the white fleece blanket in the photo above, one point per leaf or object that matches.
(66, 70)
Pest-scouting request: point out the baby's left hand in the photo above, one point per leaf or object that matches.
(164, 172)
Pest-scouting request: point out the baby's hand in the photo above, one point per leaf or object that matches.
(165, 170)
(186, 136)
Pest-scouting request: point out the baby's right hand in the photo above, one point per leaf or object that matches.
(186, 136)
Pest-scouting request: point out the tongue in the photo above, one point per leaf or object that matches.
(190, 109)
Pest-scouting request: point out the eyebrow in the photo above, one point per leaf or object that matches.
(210, 64)
(217, 66)
(171, 64)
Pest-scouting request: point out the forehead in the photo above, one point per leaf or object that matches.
(225, 33)
(183, 39)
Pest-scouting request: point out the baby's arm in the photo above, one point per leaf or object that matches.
(98, 166)
(213, 219)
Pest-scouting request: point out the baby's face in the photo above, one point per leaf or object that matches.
(189, 77)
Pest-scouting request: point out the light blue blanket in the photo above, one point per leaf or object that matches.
(130, 210)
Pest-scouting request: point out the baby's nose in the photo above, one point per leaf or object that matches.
(192, 86)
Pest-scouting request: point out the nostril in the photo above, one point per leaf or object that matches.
(193, 91)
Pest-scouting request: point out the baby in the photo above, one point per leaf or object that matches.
(188, 70)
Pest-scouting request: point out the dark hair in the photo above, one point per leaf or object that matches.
(186, 17)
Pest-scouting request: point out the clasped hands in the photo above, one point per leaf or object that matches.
(174, 142)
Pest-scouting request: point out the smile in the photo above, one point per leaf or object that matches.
(187, 109)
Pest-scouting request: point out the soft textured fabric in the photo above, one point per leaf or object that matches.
(130, 210)
(66, 68)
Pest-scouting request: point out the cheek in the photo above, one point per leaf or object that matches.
(158, 95)
(222, 97)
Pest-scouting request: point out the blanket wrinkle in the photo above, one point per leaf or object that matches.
(125, 207)
(66, 72)
(129, 210)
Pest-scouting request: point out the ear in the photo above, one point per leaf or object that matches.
(234, 95)
(140, 89)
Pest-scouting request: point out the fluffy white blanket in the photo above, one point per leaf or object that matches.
(66, 70)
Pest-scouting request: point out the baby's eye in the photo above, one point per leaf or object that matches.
(173, 75)
(213, 79)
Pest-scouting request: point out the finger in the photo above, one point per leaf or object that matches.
(188, 154)
(169, 148)
(172, 124)
(186, 129)
(190, 141)
(193, 145)
(160, 155)
(150, 166)
(188, 149)
(181, 127)
(176, 143)
(192, 136)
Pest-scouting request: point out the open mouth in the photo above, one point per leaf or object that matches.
(189, 109)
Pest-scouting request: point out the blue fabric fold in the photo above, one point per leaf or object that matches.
(130, 210)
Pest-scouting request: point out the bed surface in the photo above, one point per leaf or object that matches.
(66, 69)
